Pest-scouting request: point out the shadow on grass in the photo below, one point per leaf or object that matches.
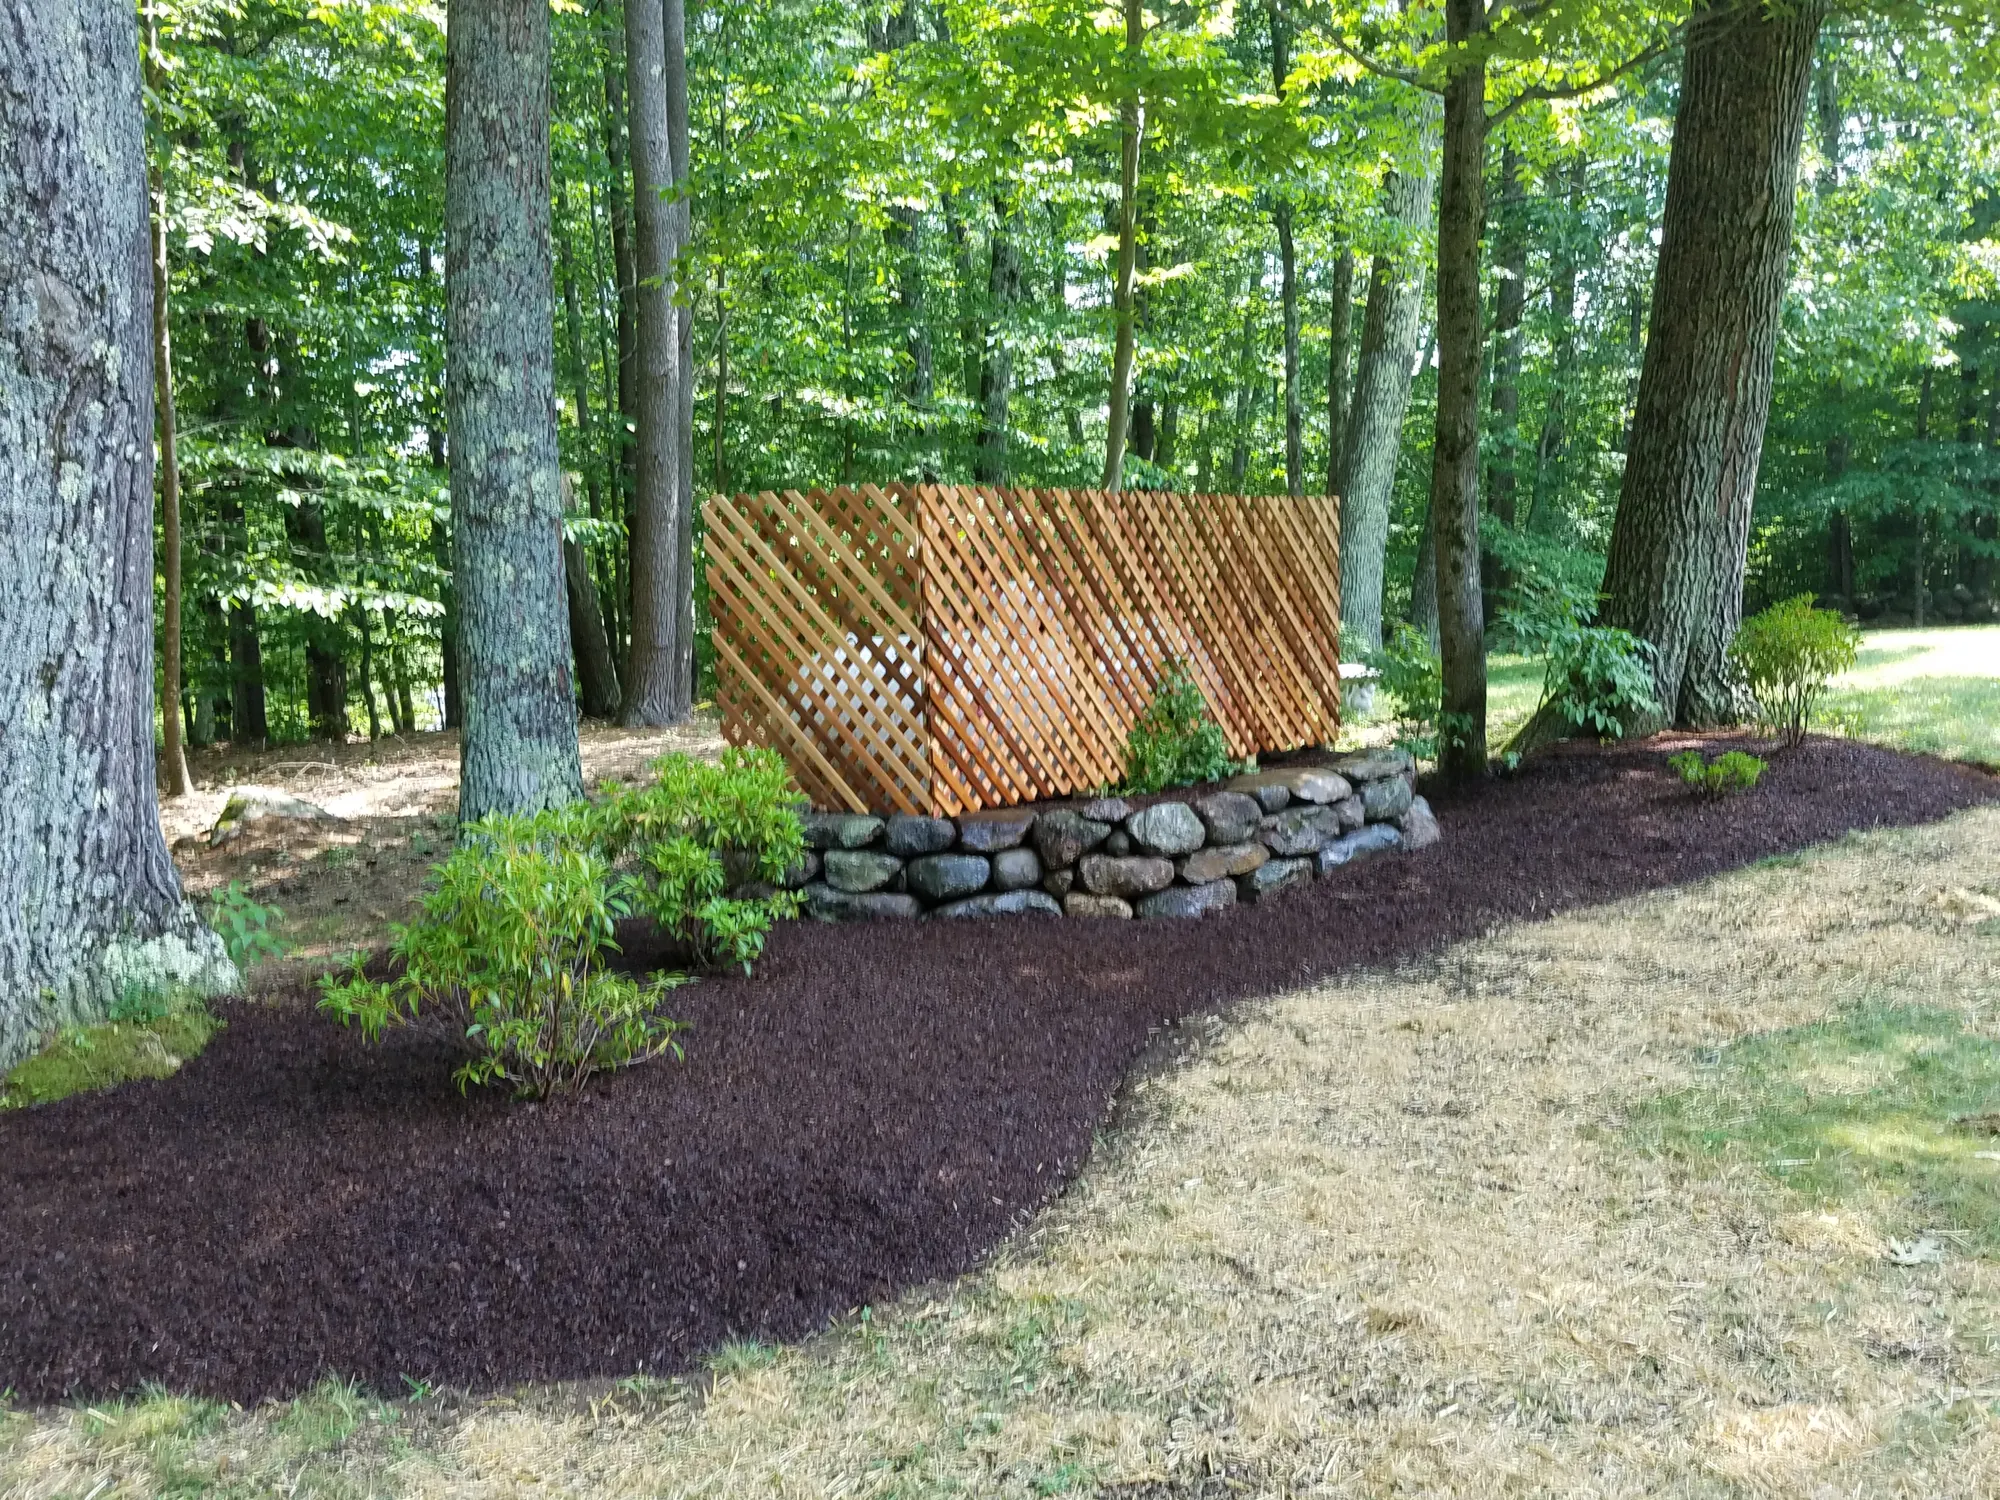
(1871, 1102)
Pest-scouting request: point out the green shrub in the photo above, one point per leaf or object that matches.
(510, 954)
(1787, 656)
(1595, 679)
(246, 929)
(1410, 673)
(1732, 771)
(692, 829)
(1176, 741)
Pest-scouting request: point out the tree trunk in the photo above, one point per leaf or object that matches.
(1554, 436)
(1510, 257)
(652, 678)
(996, 365)
(170, 467)
(1455, 455)
(90, 904)
(1132, 123)
(1389, 333)
(596, 671)
(1339, 384)
(1288, 272)
(1424, 582)
(368, 678)
(1246, 396)
(1680, 541)
(673, 14)
(619, 189)
(519, 750)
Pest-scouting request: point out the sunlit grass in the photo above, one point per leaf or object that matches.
(1866, 1104)
(1932, 691)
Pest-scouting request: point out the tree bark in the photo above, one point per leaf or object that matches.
(90, 904)
(519, 749)
(1554, 436)
(1339, 382)
(1680, 541)
(596, 671)
(996, 365)
(673, 14)
(1246, 395)
(1132, 130)
(1455, 455)
(619, 189)
(1389, 333)
(1510, 258)
(653, 684)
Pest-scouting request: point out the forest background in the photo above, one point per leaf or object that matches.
(900, 263)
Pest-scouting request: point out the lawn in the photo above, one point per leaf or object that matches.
(1936, 691)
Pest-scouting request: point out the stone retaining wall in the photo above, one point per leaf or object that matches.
(1186, 855)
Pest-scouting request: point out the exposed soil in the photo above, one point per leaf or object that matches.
(876, 1108)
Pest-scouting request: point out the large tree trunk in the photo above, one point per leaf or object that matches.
(596, 673)
(1339, 381)
(1132, 127)
(1510, 258)
(519, 750)
(618, 191)
(1553, 439)
(652, 678)
(996, 365)
(673, 14)
(1389, 333)
(90, 904)
(1455, 456)
(1679, 544)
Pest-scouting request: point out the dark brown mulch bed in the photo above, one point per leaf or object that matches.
(876, 1108)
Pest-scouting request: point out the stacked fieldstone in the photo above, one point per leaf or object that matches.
(1186, 855)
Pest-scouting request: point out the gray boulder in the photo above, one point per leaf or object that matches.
(858, 871)
(840, 830)
(1376, 838)
(1166, 828)
(829, 905)
(1299, 830)
(1080, 904)
(1311, 784)
(1016, 869)
(909, 835)
(261, 804)
(1350, 814)
(1265, 788)
(1118, 843)
(1107, 809)
(1387, 800)
(1058, 882)
(1221, 861)
(946, 877)
(1003, 904)
(1419, 826)
(1229, 817)
(1190, 900)
(990, 832)
(1374, 765)
(1064, 836)
(1279, 875)
(739, 870)
(1137, 875)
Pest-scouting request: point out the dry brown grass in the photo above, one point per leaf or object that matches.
(1385, 1236)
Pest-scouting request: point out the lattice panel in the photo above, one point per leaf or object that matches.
(947, 648)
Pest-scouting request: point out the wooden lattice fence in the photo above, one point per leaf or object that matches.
(940, 649)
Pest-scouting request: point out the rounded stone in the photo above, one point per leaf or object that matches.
(1270, 879)
(829, 905)
(1136, 875)
(1166, 828)
(1016, 869)
(858, 871)
(1387, 800)
(1221, 861)
(1058, 882)
(909, 835)
(1081, 904)
(1419, 826)
(1264, 788)
(1299, 830)
(1003, 904)
(1107, 809)
(1190, 900)
(1374, 765)
(1064, 836)
(1376, 838)
(840, 830)
(1229, 817)
(946, 877)
(990, 832)
(1118, 843)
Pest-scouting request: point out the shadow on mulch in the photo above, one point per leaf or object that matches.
(875, 1109)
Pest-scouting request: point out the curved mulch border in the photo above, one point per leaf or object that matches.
(875, 1109)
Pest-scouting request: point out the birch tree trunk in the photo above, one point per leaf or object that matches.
(1680, 541)
(519, 751)
(1455, 455)
(653, 678)
(1389, 334)
(90, 904)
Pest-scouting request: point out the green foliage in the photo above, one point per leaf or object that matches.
(1413, 677)
(247, 929)
(1732, 771)
(1176, 741)
(149, 1035)
(511, 953)
(697, 829)
(1787, 657)
(1910, 1114)
(1595, 680)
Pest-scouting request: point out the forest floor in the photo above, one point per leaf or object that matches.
(1659, 1196)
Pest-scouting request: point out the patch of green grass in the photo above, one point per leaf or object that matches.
(1957, 717)
(1861, 1105)
(87, 1058)
(741, 1357)
(325, 1417)
(1513, 688)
